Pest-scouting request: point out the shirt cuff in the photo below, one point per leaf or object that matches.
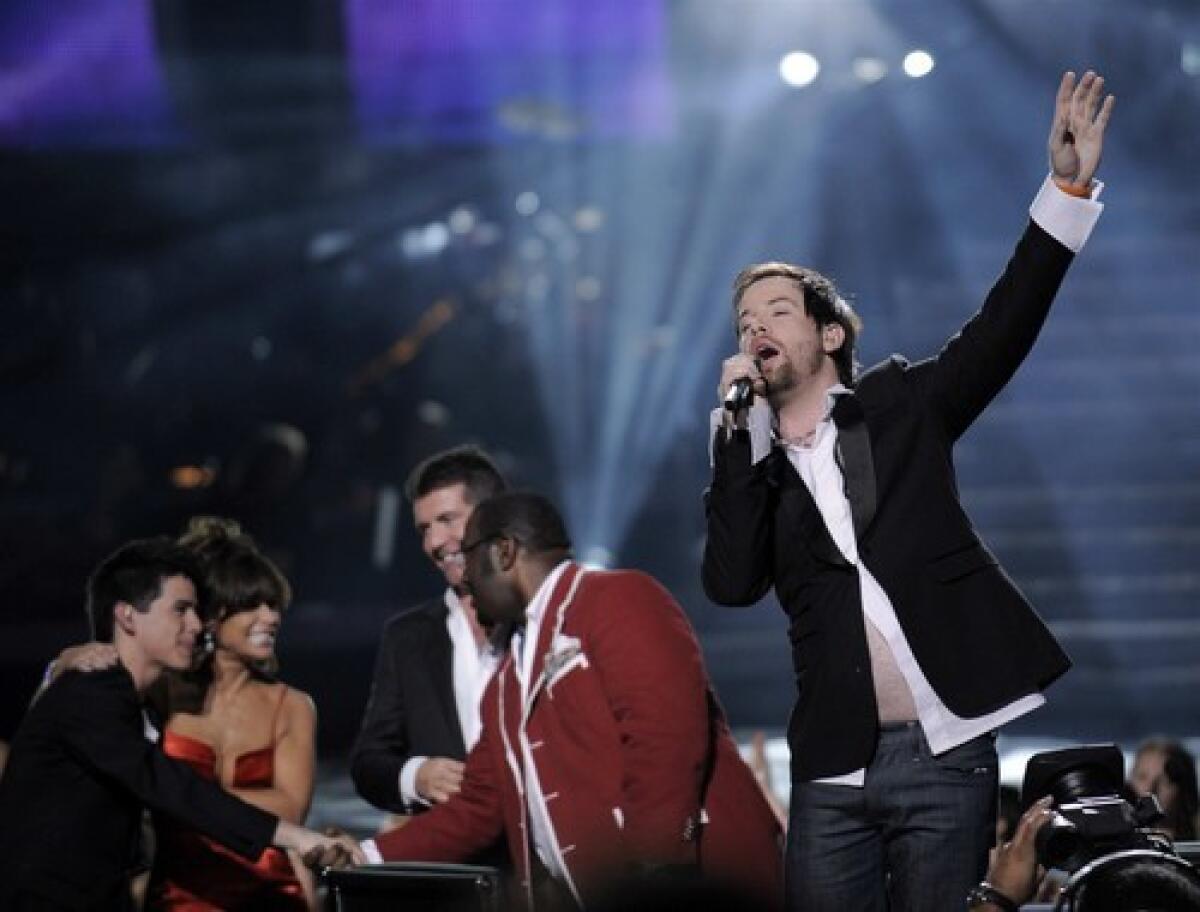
(371, 851)
(1068, 219)
(408, 782)
(758, 421)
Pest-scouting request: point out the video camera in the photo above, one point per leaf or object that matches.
(1091, 817)
(1105, 843)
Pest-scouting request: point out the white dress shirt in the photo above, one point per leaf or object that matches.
(943, 729)
(524, 648)
(472, 667)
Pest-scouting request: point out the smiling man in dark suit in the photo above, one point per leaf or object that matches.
(910, 644)
(435, 660)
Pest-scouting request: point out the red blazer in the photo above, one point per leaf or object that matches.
(632, 751)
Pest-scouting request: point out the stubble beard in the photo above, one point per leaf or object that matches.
(790, 380)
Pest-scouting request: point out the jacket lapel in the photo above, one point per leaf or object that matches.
(797, 503)
(854, 457)
(560, 599)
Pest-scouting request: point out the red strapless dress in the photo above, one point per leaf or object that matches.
(192, 873)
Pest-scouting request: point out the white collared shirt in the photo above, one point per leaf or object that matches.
(1067, 219)
(944, 730)
(524, 648)
(472, 668)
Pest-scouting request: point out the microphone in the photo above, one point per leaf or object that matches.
(740, 395)
(741, 392)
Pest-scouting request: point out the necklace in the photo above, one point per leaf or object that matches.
(804, 441)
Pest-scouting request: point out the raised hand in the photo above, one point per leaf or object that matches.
(1081, 113)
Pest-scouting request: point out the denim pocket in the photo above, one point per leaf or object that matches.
(974, 760)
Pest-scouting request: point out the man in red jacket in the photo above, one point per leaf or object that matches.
(604, 752)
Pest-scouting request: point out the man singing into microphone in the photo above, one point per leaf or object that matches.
(910, 644)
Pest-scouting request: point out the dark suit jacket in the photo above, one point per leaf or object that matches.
(411, 710)
(71, 799)
(976, 638)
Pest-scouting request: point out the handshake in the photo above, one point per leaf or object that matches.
(332, 849)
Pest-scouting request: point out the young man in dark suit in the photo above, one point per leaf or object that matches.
(435, 659)
(83, 767)
(910, 644)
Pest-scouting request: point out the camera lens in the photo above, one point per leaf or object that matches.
(1057, 841)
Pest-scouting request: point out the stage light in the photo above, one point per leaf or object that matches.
(588, 288)
(527, 203)
(799, 68)
(868, 70)
(918, 64)
(190, 477)
(1189, 58)
(437, 236)
(433, 413)
(461, 220)
(329, 244)
(597, 557)
(260, 348)
(588, 219)
(427, 241)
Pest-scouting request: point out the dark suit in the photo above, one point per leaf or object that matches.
(975, 637)
(411, 710)
(71, 799)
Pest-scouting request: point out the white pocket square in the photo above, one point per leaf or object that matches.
(562, 652)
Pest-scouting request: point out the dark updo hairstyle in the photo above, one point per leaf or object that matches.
(236, 577)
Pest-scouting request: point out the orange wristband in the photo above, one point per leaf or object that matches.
(1072, 190)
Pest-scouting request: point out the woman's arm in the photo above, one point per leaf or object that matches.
(290, 793)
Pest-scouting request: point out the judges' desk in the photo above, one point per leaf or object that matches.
(414, 887)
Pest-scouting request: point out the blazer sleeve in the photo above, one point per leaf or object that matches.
(103, 729)
(982, 357)
(471, 820)
(382, 747)
(739, 514)
(643, 649)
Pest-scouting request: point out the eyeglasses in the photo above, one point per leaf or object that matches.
(464, 550)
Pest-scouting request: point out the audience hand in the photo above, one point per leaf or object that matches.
(1013, 870)
(439, 778)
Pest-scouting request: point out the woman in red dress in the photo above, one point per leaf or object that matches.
(234, 722)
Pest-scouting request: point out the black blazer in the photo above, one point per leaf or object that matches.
(411, 710)
(71, 798)
(976, 638)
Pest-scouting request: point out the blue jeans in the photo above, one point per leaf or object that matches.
(915, 838)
